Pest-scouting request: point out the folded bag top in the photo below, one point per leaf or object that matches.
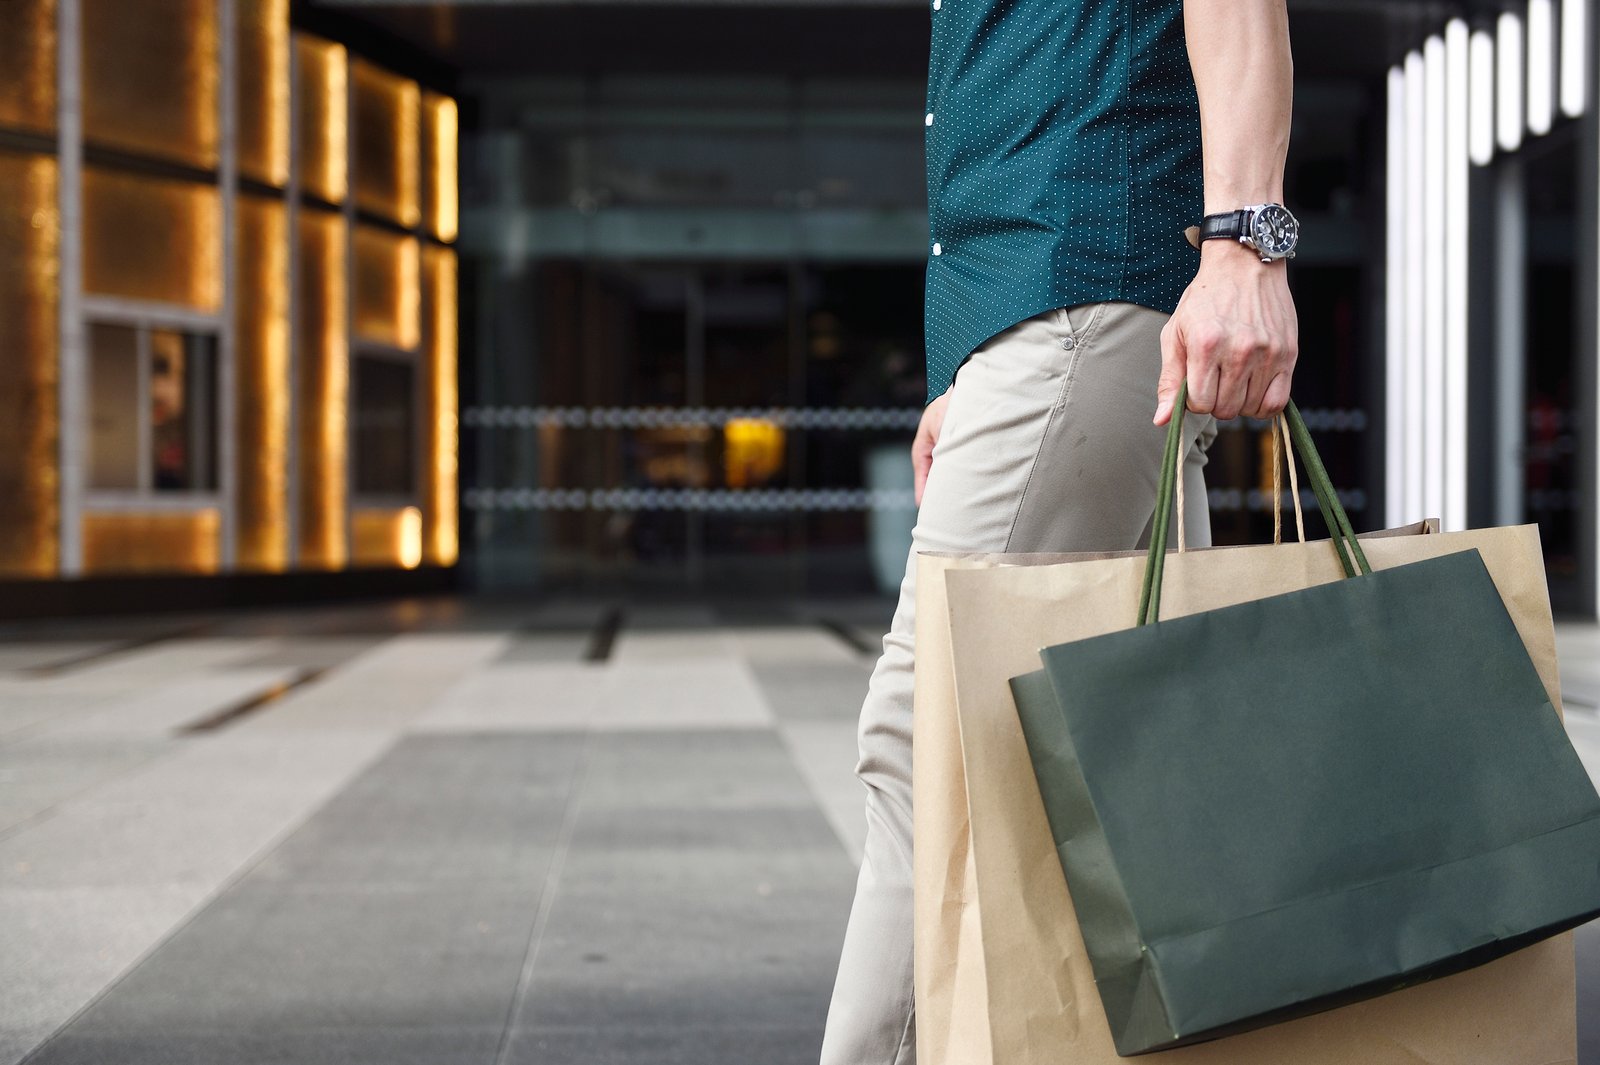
(1290, 804)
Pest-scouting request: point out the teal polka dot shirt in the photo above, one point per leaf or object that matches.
(1063, 147)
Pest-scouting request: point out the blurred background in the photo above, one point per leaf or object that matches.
(627, 296)
(439, 438)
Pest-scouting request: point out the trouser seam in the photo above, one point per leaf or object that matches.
(1056, 409)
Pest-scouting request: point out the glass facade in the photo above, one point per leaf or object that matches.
(695, 334)
(192, 283)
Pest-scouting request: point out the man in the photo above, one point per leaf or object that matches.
(1063, 305)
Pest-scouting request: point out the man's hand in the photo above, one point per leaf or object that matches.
(927, 436)
(1234, 336)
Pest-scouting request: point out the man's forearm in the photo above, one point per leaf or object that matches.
(1239, 52)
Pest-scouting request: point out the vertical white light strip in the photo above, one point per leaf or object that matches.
(1457, 169)
(1574, 56)
(1541, 65)
(1394, 311)
(1416, 198)
(1481, 138)
(1508, 83)
(1433, 446)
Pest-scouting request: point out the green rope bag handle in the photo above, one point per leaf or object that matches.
(1352, 559)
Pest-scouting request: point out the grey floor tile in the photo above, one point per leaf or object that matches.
(807, 691)
(540, 647)
(479, 810)
(262, 959)
(38, 773)
(391, 1045)
(728, 769)
(666, 1046)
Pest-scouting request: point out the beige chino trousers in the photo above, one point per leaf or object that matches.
(1047, 445)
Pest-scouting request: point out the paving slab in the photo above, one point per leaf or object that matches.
(39, 773)
(810, 691)
(520, 696)
(678, 1045)
(390, 1045)
(679, 694)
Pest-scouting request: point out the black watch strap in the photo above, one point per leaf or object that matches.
(1229, 225)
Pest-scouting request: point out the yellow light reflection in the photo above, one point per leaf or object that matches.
(182, 542)
(263, 90)
(441, 436)
(752, 451)
(387, 156)
(28, 64)
(29, 272)
(442, 127)
(324, 392)
(152, 238)
(150, 78)
(387, 537)
(262, 359)
(324, 117)
(387, 307)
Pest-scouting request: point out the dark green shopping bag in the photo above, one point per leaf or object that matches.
(1283, 806)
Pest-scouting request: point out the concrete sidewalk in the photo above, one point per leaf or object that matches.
(447, 833)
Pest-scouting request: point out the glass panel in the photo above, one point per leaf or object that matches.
(324, 378)
(183, 411)
(28, 64)
(387, 166)
(261, 354)
(324, 117)
(387, 296)
(263, 90)
(152, 239)
(387, 537)
(439, 428)
(441, 134)
(150, 78)
(29, 264)
(1552, 476)
(152, 543)
(114, 407)
(385, 426)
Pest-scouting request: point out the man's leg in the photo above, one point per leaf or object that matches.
(1047, 446)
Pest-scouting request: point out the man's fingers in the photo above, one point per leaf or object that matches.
(1172, 369)
(1277, 395)
(1256, 393)
(1204, 379)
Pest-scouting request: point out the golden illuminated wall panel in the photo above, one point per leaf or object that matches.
(441, 130)
(324, 85)
(150, 78)
(28, 64)
(162, 542)
(29, 268)
(387, 128)
(440, 538)
(324, 386)
(387, 537)
(262, 87)
(261, 354)
(386, 280)
(152, 238)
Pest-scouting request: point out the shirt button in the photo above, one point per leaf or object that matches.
(936, 4)
(937, 250)
(928, 119)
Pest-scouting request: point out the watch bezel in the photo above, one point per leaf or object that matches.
(1259, 234)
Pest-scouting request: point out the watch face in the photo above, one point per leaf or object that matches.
(1274, 231)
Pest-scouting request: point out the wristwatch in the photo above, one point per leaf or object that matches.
(1266, 228)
